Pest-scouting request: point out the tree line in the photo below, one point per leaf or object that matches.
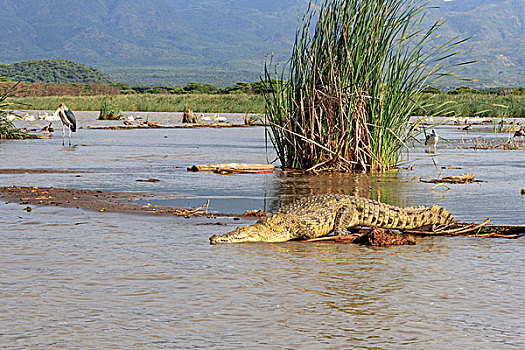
(41, 89)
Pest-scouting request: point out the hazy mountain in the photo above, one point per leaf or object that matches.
(223, 41)
(497, 28)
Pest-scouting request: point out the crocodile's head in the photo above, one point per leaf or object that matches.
(241, 234)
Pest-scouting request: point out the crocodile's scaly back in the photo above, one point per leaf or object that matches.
(318, 216)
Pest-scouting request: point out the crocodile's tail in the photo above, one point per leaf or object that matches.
(388, 216)
(413, 217)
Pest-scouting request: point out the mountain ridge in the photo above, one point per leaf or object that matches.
(174, 42)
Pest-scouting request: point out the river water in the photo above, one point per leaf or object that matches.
(71, 278)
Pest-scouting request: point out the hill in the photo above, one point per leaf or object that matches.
(58, 71)
(174, 42)
(497, 29)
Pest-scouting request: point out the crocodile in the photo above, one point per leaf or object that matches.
(318, 216)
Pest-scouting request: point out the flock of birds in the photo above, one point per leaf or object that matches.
(432, 138)
(66, 116)
(215, 118)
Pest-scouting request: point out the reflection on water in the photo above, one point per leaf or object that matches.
(293, 186)
(80, 279)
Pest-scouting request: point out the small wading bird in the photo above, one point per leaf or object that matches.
(468, 128)
(48, 128)
(431, 140)
(520, 133)
(68, 120)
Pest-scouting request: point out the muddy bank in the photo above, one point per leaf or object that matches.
(105, 201)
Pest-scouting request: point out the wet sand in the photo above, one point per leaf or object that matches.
(104, 201)
(43, 171)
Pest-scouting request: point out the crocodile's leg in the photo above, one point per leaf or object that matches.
(346, 218)
(308, 229)
(306, 233)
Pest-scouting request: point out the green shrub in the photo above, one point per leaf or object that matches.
(431, 90)
(108, 110)
(463, 90)
(7, 129)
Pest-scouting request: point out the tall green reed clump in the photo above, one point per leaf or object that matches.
(353, 76)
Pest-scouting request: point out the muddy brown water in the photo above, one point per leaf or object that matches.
(72, 278)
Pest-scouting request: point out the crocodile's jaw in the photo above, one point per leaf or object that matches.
(240, 235)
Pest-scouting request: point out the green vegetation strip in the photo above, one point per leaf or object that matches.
(466, 105)
(232, 103)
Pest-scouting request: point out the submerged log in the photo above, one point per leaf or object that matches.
(233, 167)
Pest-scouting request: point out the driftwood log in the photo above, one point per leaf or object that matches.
(233, 168)
(456, 179)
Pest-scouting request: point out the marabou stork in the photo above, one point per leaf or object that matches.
(68, 120)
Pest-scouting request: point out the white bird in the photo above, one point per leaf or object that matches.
(29, 117)
(431, 140)
(68, 120)
(214, 118)
(51, 117)
(11, 117)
